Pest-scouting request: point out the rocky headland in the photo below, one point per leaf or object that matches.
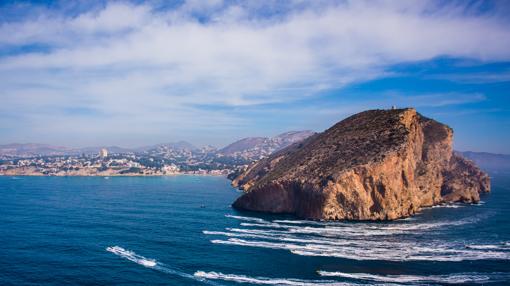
(375, 165)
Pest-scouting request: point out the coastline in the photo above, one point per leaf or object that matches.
(113, 175)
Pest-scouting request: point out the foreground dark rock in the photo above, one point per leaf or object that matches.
(375, 165)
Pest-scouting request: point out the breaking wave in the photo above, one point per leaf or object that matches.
(267, 280)
(394, 241)
(152, 263)
(131, 256)
(245, 218)
(456, 278)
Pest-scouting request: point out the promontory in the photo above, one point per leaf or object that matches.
(374, 165)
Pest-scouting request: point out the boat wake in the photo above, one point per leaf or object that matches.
(456, 278)
(359, 278)
(206, 277)
(269, 281)
(153, 264)
(397, 241)
(131, 256)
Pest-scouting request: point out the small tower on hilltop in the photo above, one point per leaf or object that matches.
(103, 153)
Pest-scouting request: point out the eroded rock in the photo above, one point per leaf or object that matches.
(375, 165)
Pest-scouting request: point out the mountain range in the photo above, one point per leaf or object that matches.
(489, 162)
(257, 147)
(251, 147)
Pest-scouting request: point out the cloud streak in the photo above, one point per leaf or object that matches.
(138, 63)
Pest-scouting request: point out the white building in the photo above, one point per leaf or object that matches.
(103, 153)
(170, 169)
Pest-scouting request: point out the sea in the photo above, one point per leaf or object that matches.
(181, 230)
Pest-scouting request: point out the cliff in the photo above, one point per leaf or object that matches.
(375, 165)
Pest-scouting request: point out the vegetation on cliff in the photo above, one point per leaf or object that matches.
(375, 165)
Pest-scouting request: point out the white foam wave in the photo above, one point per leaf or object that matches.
(152, 263)
(357, 229)
(371, 250)
(267, 280)
(501, 246)
(247, 218)
(452, 205)
(457, 278)
(392, 241)
(270, 236)
(131, 256)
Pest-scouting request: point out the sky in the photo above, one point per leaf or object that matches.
(132, 73)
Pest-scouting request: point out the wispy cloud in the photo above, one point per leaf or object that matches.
(142, 66)
(475, 78)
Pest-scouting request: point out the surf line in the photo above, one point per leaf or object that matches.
(153, 264)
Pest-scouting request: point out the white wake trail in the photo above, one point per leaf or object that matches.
(360, 241)
(456, 278)
(246, 218)
(153, 264)
(131, 256)
(269, 281)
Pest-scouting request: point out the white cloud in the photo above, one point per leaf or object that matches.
(127, 60)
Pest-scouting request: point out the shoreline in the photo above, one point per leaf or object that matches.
(105, 176)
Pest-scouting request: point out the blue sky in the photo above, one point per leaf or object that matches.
(81, 73)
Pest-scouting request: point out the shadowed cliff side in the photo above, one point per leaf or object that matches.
(375, 165)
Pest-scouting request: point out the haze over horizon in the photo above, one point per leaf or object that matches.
(134, 73)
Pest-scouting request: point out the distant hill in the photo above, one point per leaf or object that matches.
(257, 147)
(489, 161)
(179, 145)
(32, 149)
(243, 145)
(95, 150)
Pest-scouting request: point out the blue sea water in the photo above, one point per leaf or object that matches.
(182, 231)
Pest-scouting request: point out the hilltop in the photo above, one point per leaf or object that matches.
(254, 148)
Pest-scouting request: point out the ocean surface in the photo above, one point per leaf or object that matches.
(182, 231)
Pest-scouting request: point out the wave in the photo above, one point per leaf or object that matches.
(246, 218)
(388, 241)
(267, 280)
(131, 256)
(456, 278)
(452, 205)
(271, 236)
(153, 264)
(500, 246)
(372, 250)
(359, 229)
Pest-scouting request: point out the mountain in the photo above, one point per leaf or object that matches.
(257, 147)
(179, 145)
(490, 162)
(95, 150)
(375, 165)
(32, 149)
(244, 145)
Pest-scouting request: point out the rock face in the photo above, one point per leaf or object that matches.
(375, 165)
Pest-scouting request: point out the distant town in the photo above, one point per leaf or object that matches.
(158, 160)
(167, 159)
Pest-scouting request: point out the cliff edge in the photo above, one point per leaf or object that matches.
(375, 165)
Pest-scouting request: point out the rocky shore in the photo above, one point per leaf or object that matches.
(375, 165)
